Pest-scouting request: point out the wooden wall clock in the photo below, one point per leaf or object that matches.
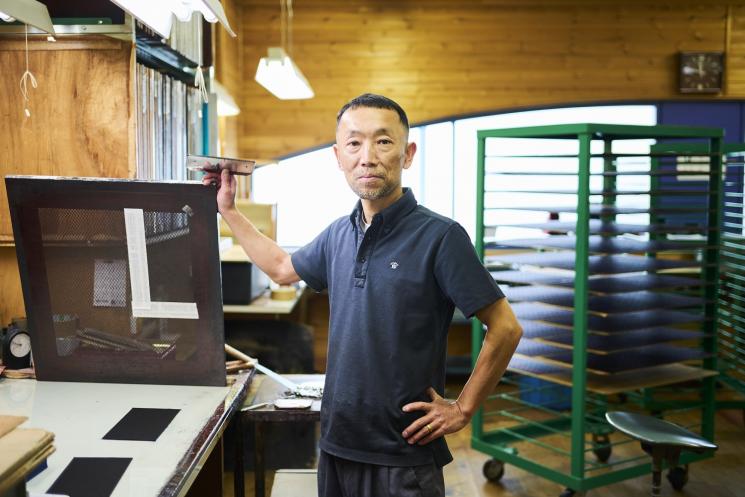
(701, 72)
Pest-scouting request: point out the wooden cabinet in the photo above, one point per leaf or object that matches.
(82, 123)
(82, 112)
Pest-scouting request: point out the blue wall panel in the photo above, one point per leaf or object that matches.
(727, 115)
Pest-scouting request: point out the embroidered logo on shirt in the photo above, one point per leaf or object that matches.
(393, 264)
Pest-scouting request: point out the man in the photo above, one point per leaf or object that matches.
(394, 271)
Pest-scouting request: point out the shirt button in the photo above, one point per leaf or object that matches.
(362, 259)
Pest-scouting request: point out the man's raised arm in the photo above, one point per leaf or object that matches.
(262, 250)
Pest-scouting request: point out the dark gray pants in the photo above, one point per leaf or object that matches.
(342, 478)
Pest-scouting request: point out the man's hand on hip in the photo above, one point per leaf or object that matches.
(441, 417)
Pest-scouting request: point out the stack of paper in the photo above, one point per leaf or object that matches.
(21, 450)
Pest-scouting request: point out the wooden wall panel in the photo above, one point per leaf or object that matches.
(11, 295)
(441, 58)
(82, 112)
(81, 124)
(229, 69)
(735, 61)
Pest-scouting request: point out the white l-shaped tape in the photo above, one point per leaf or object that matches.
(142, 306)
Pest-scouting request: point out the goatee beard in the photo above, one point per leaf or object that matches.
(376, 194)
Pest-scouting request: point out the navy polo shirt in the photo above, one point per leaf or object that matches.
(392, 292)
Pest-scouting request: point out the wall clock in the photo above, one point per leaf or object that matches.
(701, 72)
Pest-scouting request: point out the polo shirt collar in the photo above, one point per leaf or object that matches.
(391, 214)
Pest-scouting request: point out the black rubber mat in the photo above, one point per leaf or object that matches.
(532, 348)
(524, 364)
(606, 284)
(548, 295)
(142, 424)
(607, 227)
(535, 329)
(624, 302)
(599, 244)
(625, 341)
(614, 323)
(597, 264)
(627, 361)
(90, 476)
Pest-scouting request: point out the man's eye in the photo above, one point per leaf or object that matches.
(353, 144)
(385, 141)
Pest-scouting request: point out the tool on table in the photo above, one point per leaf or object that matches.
(255, 406)
(293, 403)
(308, 389)
(211, 164)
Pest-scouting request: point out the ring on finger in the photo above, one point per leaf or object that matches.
(429, 428)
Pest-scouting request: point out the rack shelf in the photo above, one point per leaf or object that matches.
(615, 287)
(602, 245)
(613, 384)
(603, 285)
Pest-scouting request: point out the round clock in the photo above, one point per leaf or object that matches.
(16, 348)
(701, 72)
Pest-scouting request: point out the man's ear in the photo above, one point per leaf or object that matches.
(336, 154)
(410, 151)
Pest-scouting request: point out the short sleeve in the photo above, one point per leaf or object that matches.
(310, 263)
(461, 275)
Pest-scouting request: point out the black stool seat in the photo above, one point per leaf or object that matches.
(662, 440)
(654, 431)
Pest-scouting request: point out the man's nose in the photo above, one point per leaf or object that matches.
(368, 156)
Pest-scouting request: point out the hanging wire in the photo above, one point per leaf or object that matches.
(283, 24)
(200, 84)
(289, 27)
(27, 75)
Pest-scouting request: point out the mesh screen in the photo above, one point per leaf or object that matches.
(88, 273)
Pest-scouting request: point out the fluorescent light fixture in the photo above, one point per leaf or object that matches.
(211, 10)
(158, 14)
(28, 12)
(278, 74)
(226, 105)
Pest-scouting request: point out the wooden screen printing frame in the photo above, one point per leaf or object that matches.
(27, 194)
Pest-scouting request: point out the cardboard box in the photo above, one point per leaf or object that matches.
(263, 216)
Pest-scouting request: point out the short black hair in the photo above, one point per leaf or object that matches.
(374, 101)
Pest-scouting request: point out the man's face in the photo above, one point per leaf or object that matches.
(372, 151)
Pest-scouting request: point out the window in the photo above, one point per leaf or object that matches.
(310, 191)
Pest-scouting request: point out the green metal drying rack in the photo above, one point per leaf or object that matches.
(731, 294)
(586, 410)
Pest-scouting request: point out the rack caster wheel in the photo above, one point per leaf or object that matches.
(678, 477)
(493, 470)
(570, 492)
(601, 447)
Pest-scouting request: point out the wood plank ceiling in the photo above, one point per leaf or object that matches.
(441, 59)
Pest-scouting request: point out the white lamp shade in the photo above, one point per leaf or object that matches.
(28, 12)
(279, 74)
